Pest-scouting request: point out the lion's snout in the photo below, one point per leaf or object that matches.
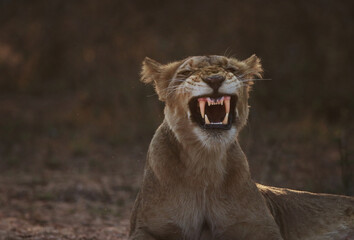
(214, 81)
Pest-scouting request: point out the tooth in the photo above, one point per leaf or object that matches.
(206, 119)
(209, 101)
(226, 119)
(227, 105)
(202, 107)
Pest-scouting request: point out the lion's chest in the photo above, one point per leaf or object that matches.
(191, 214)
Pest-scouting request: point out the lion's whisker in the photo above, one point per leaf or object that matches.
(255, 79)
(246, 73)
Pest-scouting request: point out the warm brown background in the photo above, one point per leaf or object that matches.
(75, 122)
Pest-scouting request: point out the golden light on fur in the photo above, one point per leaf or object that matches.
(197, 183)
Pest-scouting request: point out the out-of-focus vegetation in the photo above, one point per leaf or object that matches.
(71, 102)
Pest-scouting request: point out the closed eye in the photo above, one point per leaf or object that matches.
(184, 74)
(231, 69)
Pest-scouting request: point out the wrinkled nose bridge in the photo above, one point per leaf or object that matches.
(214, 81)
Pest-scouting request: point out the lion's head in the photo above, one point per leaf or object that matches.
(206, 97)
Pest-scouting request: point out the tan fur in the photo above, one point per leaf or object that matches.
(197, 183)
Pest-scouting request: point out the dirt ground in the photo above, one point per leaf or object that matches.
(70, 204)
(92, 212)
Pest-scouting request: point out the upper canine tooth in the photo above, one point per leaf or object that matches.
(227, 104)
(202, 107)
(206, 119)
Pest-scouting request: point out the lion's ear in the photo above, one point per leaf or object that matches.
(159, 75)
(254, 67)
(150, 71)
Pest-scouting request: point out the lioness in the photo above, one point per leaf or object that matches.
(197, 183)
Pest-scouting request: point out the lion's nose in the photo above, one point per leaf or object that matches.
(214, 81)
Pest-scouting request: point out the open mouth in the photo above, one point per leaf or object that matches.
(213, 111)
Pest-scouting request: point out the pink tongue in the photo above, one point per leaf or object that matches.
(205, 99)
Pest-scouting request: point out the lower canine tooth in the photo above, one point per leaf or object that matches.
(206, 119)
(226, 119)
(227, 105)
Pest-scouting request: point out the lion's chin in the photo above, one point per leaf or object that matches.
(215, 138)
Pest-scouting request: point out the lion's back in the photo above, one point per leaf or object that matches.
(305, 215)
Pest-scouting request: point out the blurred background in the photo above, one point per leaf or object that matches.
(75, 122)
